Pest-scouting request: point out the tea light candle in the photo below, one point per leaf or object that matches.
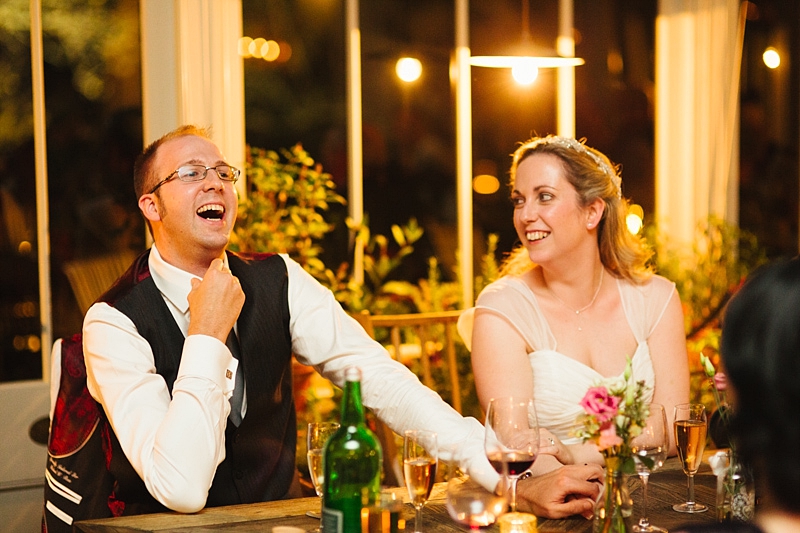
(517, 523)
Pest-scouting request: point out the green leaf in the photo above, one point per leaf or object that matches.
(629, 465)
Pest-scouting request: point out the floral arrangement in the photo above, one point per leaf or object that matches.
(614, 412)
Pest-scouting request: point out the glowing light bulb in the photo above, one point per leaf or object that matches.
(771, 57)
(525, 71)
(408, 69)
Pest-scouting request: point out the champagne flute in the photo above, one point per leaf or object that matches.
(512, 439)
(650, 451)
(691, 426)
(420, 453)
(318, 434)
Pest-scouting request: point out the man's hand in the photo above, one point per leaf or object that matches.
(215, 302)
(567, 491)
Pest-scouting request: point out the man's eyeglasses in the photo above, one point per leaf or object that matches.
(192, 173)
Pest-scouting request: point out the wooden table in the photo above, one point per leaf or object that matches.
(667, 487)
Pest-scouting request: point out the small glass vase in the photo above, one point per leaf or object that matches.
(740, 498)
(614, 507)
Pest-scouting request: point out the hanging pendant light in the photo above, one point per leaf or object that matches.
(526, 56)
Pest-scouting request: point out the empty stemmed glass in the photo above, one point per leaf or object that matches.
(512, 439)
(420, 453)
(691, 426)
(650, 451)
(467, 502)
(318, 434)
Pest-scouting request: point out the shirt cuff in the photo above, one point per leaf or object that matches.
(207, 357)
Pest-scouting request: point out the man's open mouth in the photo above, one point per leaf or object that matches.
(212, 211)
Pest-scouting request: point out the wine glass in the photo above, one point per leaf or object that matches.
(650, 451)
(419, 468)
(318, 434)
(691, 426)
(512, 439)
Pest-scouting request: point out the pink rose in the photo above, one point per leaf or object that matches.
(720, 381)
(600, 404)
(608, 437)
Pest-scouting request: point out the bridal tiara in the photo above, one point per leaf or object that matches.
(573, 144)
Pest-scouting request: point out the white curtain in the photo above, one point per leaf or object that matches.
(192, 72)
(698, 62)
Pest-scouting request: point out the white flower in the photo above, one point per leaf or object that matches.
(615, 385)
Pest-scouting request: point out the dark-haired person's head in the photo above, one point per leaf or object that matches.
(761, 354)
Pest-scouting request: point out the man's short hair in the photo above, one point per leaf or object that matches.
(143, 180)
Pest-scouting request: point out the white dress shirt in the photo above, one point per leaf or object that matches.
(175, 444)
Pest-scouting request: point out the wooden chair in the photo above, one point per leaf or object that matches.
(90, 278)
(425, 329)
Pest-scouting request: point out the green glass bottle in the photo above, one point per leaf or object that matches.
(352, 464)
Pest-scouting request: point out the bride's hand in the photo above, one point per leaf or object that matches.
(549, 444)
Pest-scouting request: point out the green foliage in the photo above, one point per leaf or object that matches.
(284, 206)
(490, 268)
(92, 40)
(720, 258)
(381, 258)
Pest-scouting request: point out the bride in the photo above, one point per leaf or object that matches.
(574, 301)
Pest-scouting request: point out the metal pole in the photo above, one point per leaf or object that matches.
(565, 94)
(355, 160)
(464, 151)
(42, 204)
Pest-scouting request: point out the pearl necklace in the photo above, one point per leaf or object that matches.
(585, 307)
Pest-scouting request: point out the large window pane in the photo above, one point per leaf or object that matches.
(93, 109)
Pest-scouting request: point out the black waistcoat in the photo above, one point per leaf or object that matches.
(260, 453)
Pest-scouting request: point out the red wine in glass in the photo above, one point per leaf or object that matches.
(512, 439)
(517, 463)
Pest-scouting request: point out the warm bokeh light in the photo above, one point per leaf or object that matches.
(635, 218)
(485, 184)
(256, 46)
(771, 57)
(271, 51)
(244, 46)
(408, 69)
(614, 62)
(285, 52)
(268, 50)
(30, 343)
(525, 72)
(34, 343)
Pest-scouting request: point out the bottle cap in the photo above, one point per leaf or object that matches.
(353, 373)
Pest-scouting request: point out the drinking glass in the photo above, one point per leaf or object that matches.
(691, 426)
(419, 468)
(318, 434)
(512, 439)
(471, 505)
(650, 451)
